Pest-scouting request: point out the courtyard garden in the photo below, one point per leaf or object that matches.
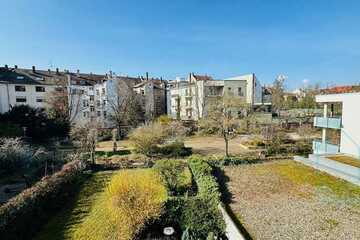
(287, 200)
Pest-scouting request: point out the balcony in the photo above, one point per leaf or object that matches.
(334, 123)
(320, 148)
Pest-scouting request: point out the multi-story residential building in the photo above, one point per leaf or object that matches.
(89, 94)
(153, 97)
(189, 99)
(341, 155)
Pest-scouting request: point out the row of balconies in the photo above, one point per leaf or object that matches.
(326, 122)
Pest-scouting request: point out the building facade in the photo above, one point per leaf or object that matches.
(189, 99)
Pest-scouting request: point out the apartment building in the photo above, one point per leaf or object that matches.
(188, 99)
(89, 94)
(152, 93)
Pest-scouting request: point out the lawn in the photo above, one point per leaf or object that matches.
(346, 160)
(287, 200)
(63, 224)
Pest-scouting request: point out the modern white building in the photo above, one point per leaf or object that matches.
(340, 159)
(347, 124)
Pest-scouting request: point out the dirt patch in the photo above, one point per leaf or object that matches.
(211, 145)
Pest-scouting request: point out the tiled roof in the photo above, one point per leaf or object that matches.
(341, 89)
(202, 77)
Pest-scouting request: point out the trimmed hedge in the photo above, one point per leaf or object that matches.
(23, 215)
(208, 188)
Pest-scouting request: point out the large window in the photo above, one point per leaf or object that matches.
(39, 89)
(20, 99)
(20, 88)
(39, 100)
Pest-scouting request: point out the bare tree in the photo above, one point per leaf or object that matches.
(125, 105)
(278, 94)
(64, 102)
(224, 117)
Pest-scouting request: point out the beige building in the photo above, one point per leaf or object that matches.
(188, 99)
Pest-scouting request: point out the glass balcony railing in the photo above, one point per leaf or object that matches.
(321, 148)
(325, 122)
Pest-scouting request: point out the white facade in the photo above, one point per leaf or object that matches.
(23, 94)
(188, 99)
(349, 124)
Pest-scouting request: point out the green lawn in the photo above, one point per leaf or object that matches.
(62, 225)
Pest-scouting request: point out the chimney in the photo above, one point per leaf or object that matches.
(147, 76)
(57, 70)
(33, 68)
(16, 67)
(6, 67)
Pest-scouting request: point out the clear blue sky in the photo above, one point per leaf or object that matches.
(318, 40)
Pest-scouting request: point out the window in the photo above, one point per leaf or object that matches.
(39, 100)
(189, 113)
(104, 114)
(98, 103)
(20, 77)
(39, 89)
(86, 114)
(59, 89)
(91, 88)
(20, 89)
(186, 92)
(240, 92)
(142, 92)
(103, 90)
(92, 108)
(98, 113)
(85, 103)
(91, 97)
(97, 92)
(20, 99)
(104, 102)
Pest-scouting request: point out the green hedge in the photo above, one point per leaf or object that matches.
(23, 215)
(201, 215)
(208, 188)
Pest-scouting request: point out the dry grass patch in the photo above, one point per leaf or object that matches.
(287, 200)
(346, 160)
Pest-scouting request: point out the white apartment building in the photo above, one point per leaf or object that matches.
(188, 99)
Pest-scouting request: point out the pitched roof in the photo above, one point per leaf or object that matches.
(341, 89)
(202, 77)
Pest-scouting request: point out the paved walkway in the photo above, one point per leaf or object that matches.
(232, 232)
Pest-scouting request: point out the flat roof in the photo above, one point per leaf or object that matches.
(335, 97)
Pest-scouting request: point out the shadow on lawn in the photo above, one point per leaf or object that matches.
(227, 198)
(73, 213)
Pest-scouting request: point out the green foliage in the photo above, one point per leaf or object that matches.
(175, 174)
(38, 125)
(201, 217)
(175, 149)
(24, 214)
(10, 130)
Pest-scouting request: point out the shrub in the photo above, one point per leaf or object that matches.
(201, 218)
(132, 199)
(147, 138)
(14, 154)
(205, 205)
(175, 174)
(10, 130)
(24, 214)
(175, 149)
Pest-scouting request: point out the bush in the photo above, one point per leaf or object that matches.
(205, 205)
(201, 218)
(175, 174)
(147, 138)
(175, 149)
(24, 214)
(132, 199)
(10, 130)
(38, 125)
(14, 154)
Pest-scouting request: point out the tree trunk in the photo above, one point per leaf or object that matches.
(226, 146)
